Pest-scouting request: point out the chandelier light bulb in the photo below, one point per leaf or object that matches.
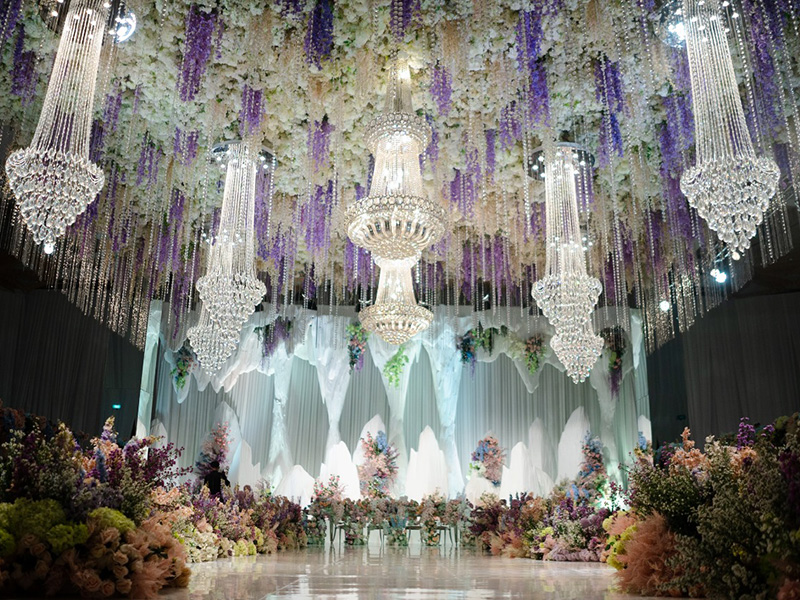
(729, 185)
(395, 317)
(53, 179)
(664, 305)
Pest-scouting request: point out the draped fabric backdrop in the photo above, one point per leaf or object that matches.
(325, 404)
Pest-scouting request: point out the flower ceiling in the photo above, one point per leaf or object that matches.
(493, 79)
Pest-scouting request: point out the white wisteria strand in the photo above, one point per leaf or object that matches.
(566, 294)
(729, 185)
(53, 179)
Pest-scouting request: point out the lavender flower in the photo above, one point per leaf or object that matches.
(23, 72)
(442, 89)
(199, 31)
(252, 110)
(319, 33)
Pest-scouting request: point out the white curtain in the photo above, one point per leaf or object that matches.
(280, 456)
(333, 374)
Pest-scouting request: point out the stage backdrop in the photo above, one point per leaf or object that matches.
(301, 406)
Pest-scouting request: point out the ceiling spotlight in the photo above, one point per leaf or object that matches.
(719, 276)
(664, 305)
(124, 26)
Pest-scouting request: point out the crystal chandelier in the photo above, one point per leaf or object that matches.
(230, 289)
(212, 345)
(567, 294)
(53, 179)
(397, 220)
(729, 185)
(395, 316)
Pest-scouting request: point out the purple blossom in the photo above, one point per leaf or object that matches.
(510, 128)
(261, 213)
(9, 14)
(318, 142)
(529, 61)
(23, 72)
(149, 162)
(199, 33)
(404, 12)
(491, 162)
(185, 146)
(432, 151)
(762, 49)
(442, 89)
(112, 108)
(252, 110)
(319, 33)
(314, 217)
(97, 141)
(746, 436)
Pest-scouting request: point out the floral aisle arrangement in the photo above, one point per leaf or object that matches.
(185, 364)
(488, 460)
(379, 471)
(356, 345)
(326, 503)
(215, 448)
(82, 522)
(534, 351)
(393, 368)
(615, 344)
(398, 514)
(357, 515)
(723, 522)
(430, 512)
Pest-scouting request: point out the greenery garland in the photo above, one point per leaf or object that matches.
(394, 367)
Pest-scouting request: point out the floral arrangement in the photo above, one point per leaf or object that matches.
(393, 368)
(185, 364)
(534, 350)
(356, 516)
(488, 460)
(215, 448)
(615, 344)
(721, 522)
(398, 514)
(430, 512)
(356, 345)
(590, 484)
(82, 522)
(477, 338)
(327, 503)
(379, 471)
(280, 330)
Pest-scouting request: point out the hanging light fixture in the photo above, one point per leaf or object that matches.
(396, 317)
(397, 219)
(729, 185)
(567, 294)
(211, 343)
(230, 288)
(53, 179)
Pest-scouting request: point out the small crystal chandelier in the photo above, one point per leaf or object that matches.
(230, 288)
(395, 316)
(212, 345)
(53, 179)
(729, 185)
(397, 219)
(567, 294)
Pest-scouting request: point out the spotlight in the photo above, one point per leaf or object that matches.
(719, 276)
(664, 305)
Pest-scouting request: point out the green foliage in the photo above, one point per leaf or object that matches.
(108, 517)
(67, 535)
(7, 543)
(675, 494)
(393, 368)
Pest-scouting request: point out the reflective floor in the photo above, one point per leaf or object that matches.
(412, 573)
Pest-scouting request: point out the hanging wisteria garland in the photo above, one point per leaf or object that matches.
(307, 77)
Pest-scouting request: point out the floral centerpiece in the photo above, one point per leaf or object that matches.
(398, 514)
(615, 344)
(534, 350)
(185, 364)
(355, 518)
(327, 503)
(488, 460)
(280, 330)
(393, 368)
(378, 472)
(356, 345)
(215, 448)
(430, 512)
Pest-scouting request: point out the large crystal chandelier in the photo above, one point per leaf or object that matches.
(211, 343)
(729, 185)
(567, 294)
(395, 316)
(230, 288)
(397, 220)
(53, 179)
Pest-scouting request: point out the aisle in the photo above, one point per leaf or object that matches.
(413, 573)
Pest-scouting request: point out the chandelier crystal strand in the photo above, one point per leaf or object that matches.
(396, 317)
(53, 179)
(212, 344)
(230, 288)
(729, 185)
(566, 294)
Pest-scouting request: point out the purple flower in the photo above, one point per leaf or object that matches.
(252, 110)
(23, 72)
(404, 12)
(199, 32)
(441, 89)
(319, 33)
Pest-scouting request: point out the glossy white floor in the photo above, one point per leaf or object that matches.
(409, 573)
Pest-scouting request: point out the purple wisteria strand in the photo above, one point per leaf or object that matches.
(9, 15)
(762, 50)
(432, 151)
(185, 146)
(261, 213)
(200, 28)
(291, 9)
(137, 98)
(24, 76)
(112, 107)
(608, 92)
(510, 129)
(491, 141)
(529, 54)
(318, 143)
(319, 33)
(442, 89)
(671, 140)
(252, 110)
(404, 12)
(149, 163)
(97, 141)
(314, 218)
